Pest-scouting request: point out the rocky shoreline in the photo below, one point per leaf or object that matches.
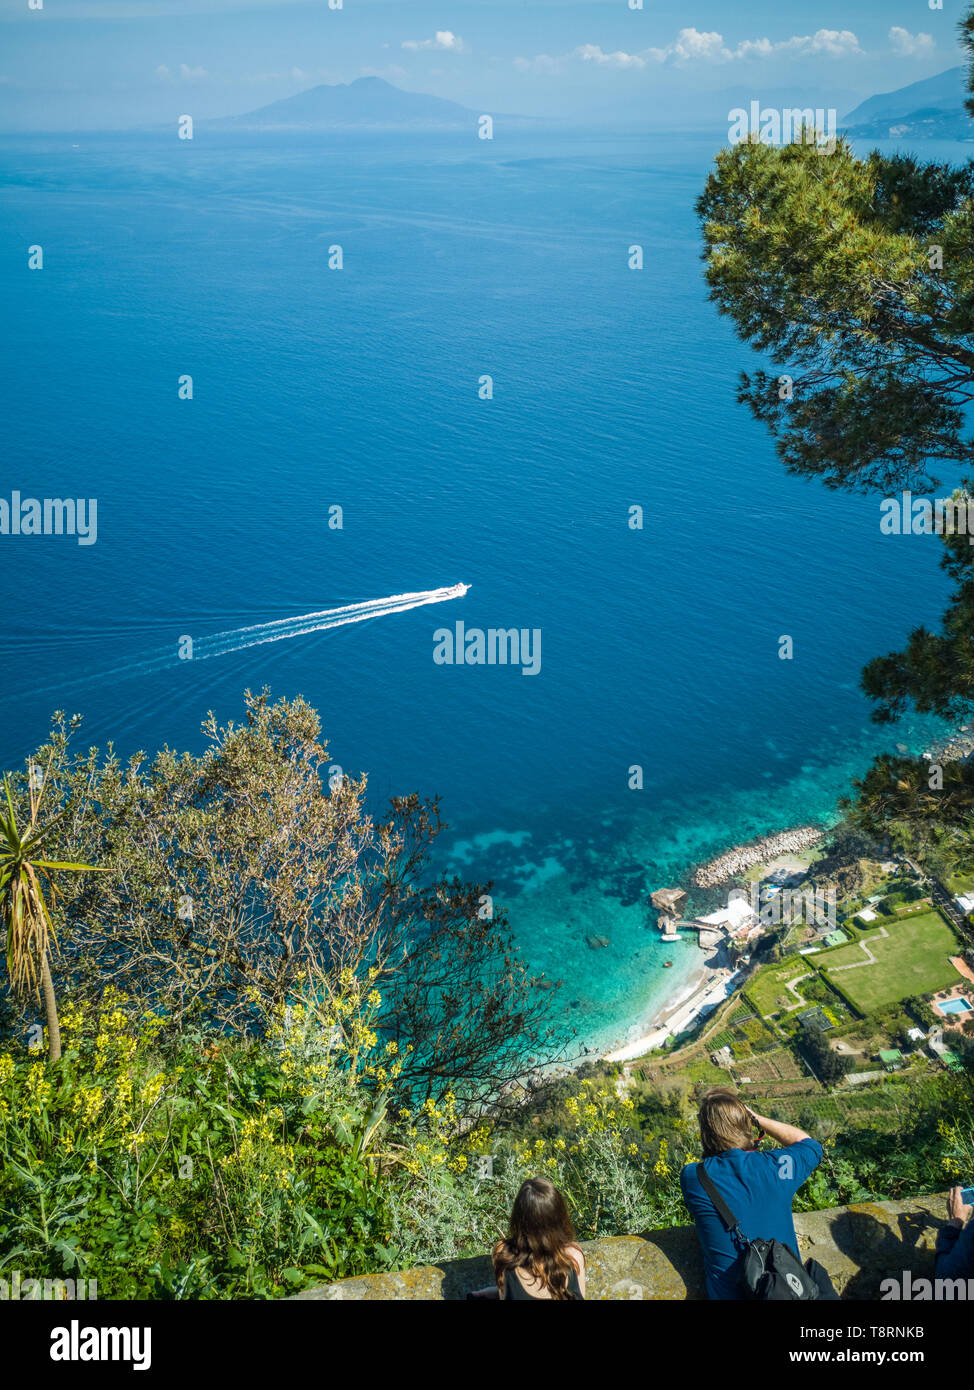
(743, 857)
(957, 748)
(736, 862)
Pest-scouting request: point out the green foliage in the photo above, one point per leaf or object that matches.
(213, 1169)
(768, 988)
(857, 277)
(920, 1012)
(822, 261)
(931, 1147)
(933, 672)
(222, 1168)
(615, 1162)
(27, 884)
(913, 958)
(758, 1035)
(826, 1064)
(235, 873)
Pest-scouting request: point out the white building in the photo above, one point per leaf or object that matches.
(737, 922)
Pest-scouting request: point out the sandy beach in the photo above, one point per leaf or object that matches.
(712, 980)
(709, 986)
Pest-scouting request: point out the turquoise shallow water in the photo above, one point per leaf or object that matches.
(595, 879)
(359, 388)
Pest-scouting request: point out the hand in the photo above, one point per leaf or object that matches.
(761, 1131)
(958, 1213)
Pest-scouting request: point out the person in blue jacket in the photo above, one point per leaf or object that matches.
(955, 1243)
(757, 1184)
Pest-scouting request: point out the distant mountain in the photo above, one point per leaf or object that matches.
(946, 91)
(366, 103)
(932, 109)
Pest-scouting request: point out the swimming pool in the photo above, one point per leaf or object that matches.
(956, 1006)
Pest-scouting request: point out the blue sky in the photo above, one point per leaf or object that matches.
(90, 63)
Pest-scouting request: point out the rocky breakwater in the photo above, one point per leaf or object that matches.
(743, 857)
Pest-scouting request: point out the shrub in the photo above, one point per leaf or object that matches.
(214, 1169)
(616, 1177)
(229, 876)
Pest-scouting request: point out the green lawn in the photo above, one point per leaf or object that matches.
(911, 960)
(767, 988)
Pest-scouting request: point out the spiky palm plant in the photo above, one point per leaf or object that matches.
(24, 911)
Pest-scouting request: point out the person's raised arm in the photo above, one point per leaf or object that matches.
(778, 1130)
(958, 1214)
(955, 1243)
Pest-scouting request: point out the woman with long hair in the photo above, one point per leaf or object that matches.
(539, 1257)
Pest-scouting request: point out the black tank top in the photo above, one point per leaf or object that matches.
(514, 1289)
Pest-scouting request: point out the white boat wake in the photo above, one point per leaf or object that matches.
(237, 640)
(221, 643)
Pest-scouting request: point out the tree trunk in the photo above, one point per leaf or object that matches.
(50, 1008)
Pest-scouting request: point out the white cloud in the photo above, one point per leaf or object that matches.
(592, 53)
(837, 43)
(909, 45)
(690, 45)
(693, 46)
(586, 53)
(834, 43)
(185, 73)
(445, 42)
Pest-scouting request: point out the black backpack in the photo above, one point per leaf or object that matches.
(771, 1270)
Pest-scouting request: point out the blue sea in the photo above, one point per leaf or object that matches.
(359, 388)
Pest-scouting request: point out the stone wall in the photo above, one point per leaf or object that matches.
(858, 1245)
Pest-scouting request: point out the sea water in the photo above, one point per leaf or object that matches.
(364, 389)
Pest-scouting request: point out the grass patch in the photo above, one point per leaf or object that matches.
(702, 1069)
(768, 990)
(912, 959)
